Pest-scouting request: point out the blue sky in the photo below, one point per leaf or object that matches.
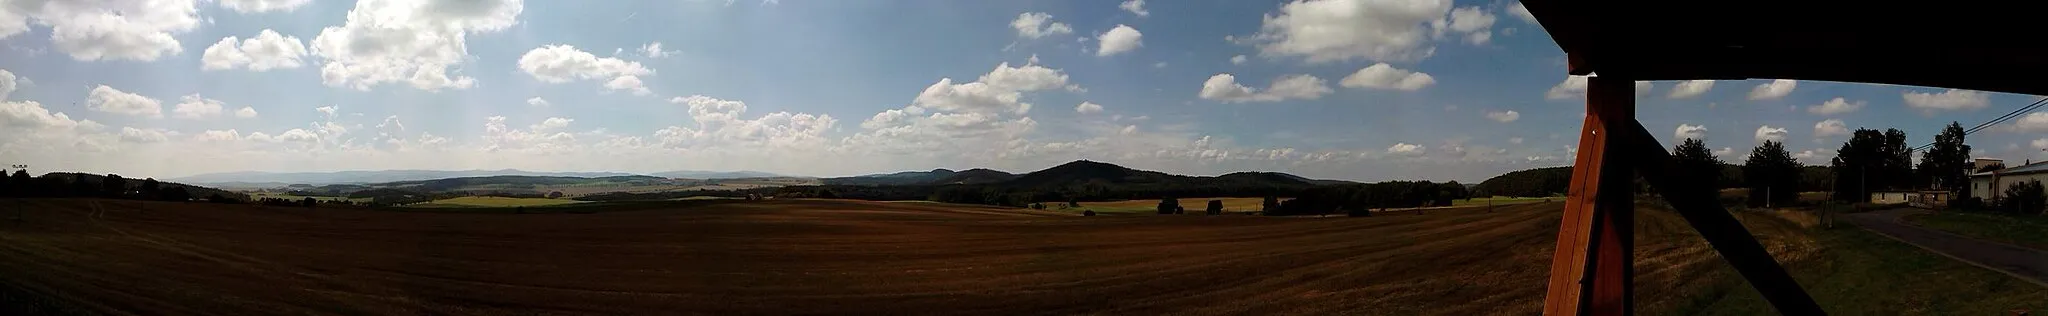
(1344, 89)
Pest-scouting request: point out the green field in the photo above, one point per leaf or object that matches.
(1503, 200)
(2024, 230)
(1862, 273)
(264, 195)
(493, 201)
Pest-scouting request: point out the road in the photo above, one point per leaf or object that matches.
(2021, 262)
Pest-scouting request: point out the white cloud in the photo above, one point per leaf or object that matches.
(1117, 40)
(564, 63)
(32, 115)
(1643, 88)
(1159, 65)
(719, 124)
(1475, 23)
(329, 111)
(1383, 76)
(1237, 60)
(537, 101)
(229, 135)
(2031, 123)
(245, 112)
(1224, 87)
(261, 6)
(1339, 30)
(268, 50)
(1504, 117)
(1571, 87)
(653, 50)
(1769, 133)
(1001, 90)
(1830, 127)
(1128, 129)
(415, 42)
(134, 135)
(1519, 11)
(1515, 140)
(1135, 7)
(1038, 24)
(628, 83)
(1689, 131)
(1836, 106)
(552, 124)
(196, 107)
(140, 30)
(1088, 107)
(1405, 149)
(1773, 90)
(1724, 152)
(1950, 100)
(1691, 88)
(7, 83)
(109, 100)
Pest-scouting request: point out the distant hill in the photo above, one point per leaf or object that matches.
(1531, 183)
(694, 174)
(377, 176)
(505, 184)
(975, 176)
(899, 178)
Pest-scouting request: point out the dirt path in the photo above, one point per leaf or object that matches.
(2020, 262)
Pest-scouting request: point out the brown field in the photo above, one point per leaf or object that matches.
(839, 257)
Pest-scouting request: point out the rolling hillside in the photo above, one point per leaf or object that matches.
(245, 178)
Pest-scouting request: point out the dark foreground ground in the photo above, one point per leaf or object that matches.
(844, 257)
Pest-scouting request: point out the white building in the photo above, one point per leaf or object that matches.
(1990, 185)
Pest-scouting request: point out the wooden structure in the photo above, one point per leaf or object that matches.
(1959, 46)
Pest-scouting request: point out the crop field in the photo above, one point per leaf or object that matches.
(1193, 206)
(494, 201)
(1503, 200)
(263, 195)
(850, 257)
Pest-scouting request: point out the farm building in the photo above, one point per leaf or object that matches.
(1891, 197)
(1990, 185)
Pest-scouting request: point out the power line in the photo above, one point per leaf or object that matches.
(1994, 122)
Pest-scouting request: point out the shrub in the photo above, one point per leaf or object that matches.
(1168, 206)
(2025, 198)
(1087, 213)
(1215, 207)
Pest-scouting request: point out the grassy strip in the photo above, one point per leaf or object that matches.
(2028, 231)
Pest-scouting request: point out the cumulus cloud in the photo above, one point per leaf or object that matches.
(1135, 7)
(140, 30)
(1475, 23)
(7, 83)
(1769, 133)
(1691, 88)
(245, 112)
(109, 100)
(135, 135)
(2031, 123)
(537, 101)
(1950, 100)
(413, 42)
(1383, 76)
(1519, 11)
(261, 6)
(629, 84)
(1237, 60)
(1504, 116)
(1405, 149)
(268, 50)
(564, 63)
(329, 111)
(1339, 30)
(196, 107)
(1038, 24)
(653, 50)
(1571, 87)
(1773, 90)
(1088, 107)
(1689, 131)
(721, 123)
(1224, 87)
(1118, 40)
(1830, 127)
(1001, 90)
(1836, 106)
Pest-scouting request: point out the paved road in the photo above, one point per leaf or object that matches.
(2025, 263)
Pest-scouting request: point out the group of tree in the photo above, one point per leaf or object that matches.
(21, 184)
(1876, 161)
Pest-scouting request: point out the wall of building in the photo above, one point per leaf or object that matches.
(1983, 187)
(1889, 197)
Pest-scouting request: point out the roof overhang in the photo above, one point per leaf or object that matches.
(1961, 46)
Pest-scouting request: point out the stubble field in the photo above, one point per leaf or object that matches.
(816, 256)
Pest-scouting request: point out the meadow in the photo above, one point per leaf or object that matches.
(495, 201)
(851, 257)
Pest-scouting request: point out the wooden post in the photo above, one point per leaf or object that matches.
(1592, 270)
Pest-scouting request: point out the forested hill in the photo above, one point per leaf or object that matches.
(1533, 182)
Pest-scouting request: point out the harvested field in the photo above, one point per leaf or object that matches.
(820, 256)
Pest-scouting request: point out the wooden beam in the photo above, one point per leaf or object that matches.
(1592, 269)
(1696, 201)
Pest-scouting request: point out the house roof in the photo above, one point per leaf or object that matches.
(2038, 167)
(1962, 46)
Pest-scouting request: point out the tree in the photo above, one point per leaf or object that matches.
(152, 189)
(178, 193)
(555, 195)
(1215, 207)
(1947, 163)
(1696, 161)
(1991, 167)
(827, 194)
(1772, 174)
(309, 202)
(1871, 161)
(2025, 198)
(1168, 206)
(1269, 204)
(113, 185)
(1073, 202)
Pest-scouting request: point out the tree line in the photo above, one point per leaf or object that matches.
(20, 184)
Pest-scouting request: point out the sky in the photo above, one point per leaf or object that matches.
(1364, 90)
